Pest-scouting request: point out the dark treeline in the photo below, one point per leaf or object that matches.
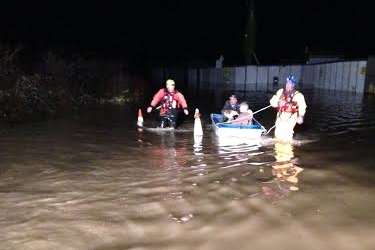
(38, 84)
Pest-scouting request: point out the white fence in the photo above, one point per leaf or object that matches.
(338, 76)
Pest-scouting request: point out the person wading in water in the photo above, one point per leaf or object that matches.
(291, 107)
(170, 101)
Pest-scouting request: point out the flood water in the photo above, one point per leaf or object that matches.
(94, 182)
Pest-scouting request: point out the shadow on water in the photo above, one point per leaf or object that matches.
(95, 182)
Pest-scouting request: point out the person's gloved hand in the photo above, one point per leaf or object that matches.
(186, 111)
(250, 113)
(300, 120)
(149, 109)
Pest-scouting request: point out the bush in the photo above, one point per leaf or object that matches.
(32, 97)
(61, 84)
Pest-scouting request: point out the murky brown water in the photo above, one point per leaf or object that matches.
(97, 183)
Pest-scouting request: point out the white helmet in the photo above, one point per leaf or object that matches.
(170, 82)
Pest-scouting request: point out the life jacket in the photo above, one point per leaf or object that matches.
(169, 101)
(289, 106)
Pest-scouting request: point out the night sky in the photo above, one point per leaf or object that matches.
(176, 31)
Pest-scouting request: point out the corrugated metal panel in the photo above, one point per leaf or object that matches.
(228, 74)
(239, 78)
(213, 78)
(324, 76)
(308, 78)
(262, 78)
(346, 76)
(284, 72)
(362, 65)
(273, 71)
(316, 75)
(332, 79)
(228, 77)
(320, 81)
(327, 76)
(329, 73)
(305, 76)
(239, 75)
(251, 78)
(339, 76)
(353, 77)
(207, 76)
(219, 76)
(211, 75)
(251, 74)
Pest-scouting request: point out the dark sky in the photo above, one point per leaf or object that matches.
(191, 30)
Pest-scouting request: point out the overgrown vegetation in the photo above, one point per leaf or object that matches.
(56, 85)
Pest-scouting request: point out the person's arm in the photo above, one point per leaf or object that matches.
(250, 113)
(276, 98)
(182, 102)
(300, 100)
(243, 118)
(155, 100)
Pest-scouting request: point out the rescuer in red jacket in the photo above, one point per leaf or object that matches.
(169, 101)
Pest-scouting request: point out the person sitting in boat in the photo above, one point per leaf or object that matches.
(245, 116)
(291, 107)
(170, 101)
(231, 108)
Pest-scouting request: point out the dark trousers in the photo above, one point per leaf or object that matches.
(169, 119)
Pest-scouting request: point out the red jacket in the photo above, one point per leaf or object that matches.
(177, 96)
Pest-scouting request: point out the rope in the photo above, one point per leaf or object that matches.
(228, 122)
(268, 131)
(262, 109)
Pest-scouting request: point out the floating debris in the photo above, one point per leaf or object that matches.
(182, 219)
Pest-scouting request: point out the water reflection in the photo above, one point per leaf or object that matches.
(103, 185)
(198, 144)
(285, 170)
